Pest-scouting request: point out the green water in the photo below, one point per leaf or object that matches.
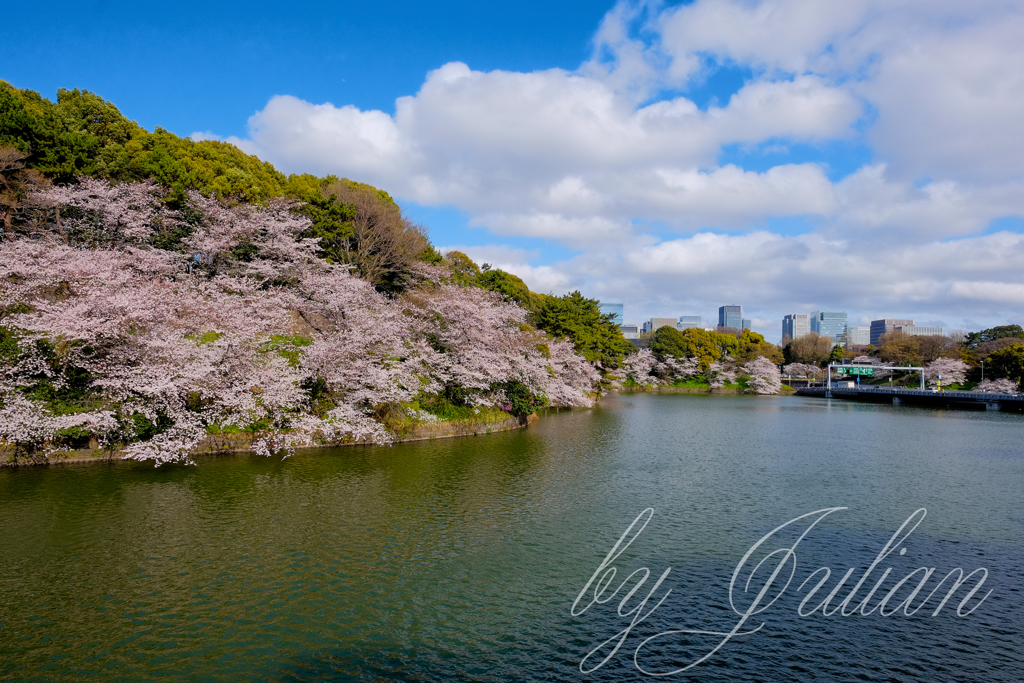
(458, 559)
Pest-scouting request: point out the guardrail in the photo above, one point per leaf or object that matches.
(980, 395)
(1012, 402)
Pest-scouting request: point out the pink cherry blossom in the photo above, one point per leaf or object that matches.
(231, 333)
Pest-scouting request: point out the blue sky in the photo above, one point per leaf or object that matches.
(784, 154)
(189, 66)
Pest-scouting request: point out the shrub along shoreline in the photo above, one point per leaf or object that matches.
(225, 444)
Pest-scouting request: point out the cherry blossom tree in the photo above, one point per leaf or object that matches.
(802, 370)
(239, 327)
(721, 373)
(764, 376)
(997, 386)
(946, 370)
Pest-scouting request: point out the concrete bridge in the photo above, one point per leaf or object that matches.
(964, 400)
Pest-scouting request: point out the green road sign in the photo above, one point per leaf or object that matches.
(850, 370)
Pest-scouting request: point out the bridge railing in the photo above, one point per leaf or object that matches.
(979, 395)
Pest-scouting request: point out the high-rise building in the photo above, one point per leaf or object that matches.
(686, 321)
(746, 323)
(613, 309)
(796, 325)
(857, 336)
(920, 330)
(661, 322)
(630, 330)
(831, 324)
(730, 316)
(884, 326)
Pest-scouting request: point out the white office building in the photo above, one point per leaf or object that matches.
(796, 325)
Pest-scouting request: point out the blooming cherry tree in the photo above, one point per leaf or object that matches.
(764, 376)
(946, 370)
(997, 386)
(244, 329)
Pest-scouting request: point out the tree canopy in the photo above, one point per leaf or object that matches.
(708, 346)
(810, 348)
(1008, 363)
(579, 319)
(703, 345)
(511, 287)
(973, 339)
(82, 134)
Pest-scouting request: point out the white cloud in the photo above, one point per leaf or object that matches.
(592, 159)
(538, 278)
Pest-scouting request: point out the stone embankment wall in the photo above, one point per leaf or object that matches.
(240, 443)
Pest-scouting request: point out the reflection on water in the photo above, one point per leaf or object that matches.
(458, 559)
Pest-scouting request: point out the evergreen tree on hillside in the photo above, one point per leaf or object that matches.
(580, 320)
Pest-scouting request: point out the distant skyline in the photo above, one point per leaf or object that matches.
(789, 156)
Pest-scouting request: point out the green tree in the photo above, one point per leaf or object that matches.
(972, 339)
(592, 333)
(82, 134)
(668, 341)
(704, 345)
(509, 286)
(751, 345)
(463, 271)
(837, 354)
(1008, 362)
(521, 401)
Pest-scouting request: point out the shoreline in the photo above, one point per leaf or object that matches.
(224, 444)
(734, 391)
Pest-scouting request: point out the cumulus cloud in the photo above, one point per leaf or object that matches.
(600, 159)
(537, 278)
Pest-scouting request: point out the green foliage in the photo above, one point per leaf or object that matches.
(692, 382)
(592, 333)
(142, 428)
(82, 134)
(431, 255)
(9, 349)
(214, 168)
(1008, 362)
(837, 354)
(450, 404)
(288, 347)
(63, 388)
(751, 345)
(205, 337)
(245, 251)
(462, 269)
(521, 401)
(705, 345)
(668, 341)
(511, 287)
(1001, 332)
(331, 223)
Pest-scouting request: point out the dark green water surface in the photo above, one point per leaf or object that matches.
(459, 559)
